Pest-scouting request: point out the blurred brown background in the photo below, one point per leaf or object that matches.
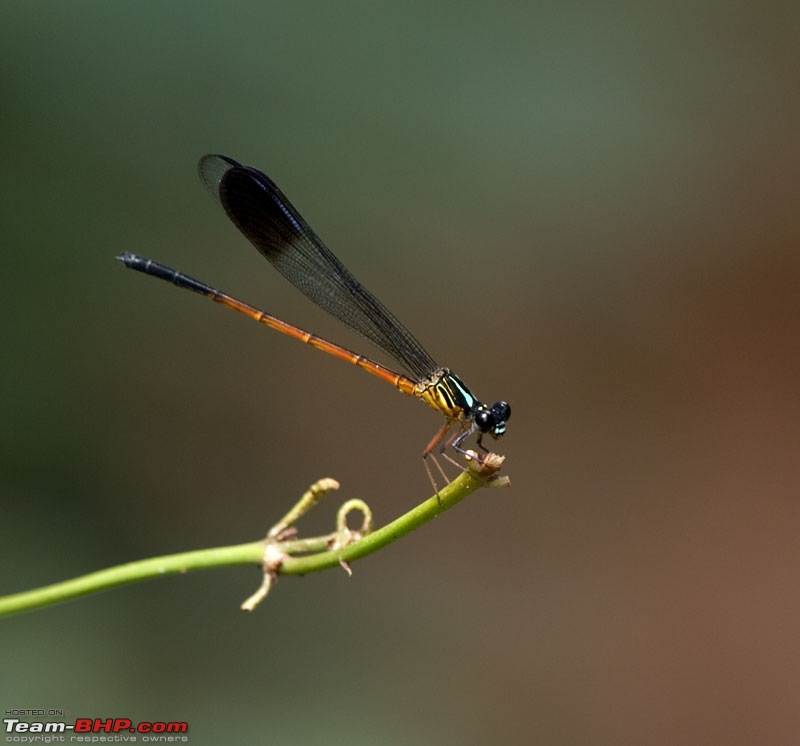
(589, 210)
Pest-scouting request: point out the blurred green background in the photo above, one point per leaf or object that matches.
(590, 210)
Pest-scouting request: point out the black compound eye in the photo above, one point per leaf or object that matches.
(485, 420)
(501, 411)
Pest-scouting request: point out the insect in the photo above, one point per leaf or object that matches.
(263, 214)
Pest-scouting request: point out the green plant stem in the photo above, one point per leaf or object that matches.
(250, 553)
(452, 494)
(132, 572)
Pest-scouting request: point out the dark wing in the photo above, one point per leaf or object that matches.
(260, 210)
